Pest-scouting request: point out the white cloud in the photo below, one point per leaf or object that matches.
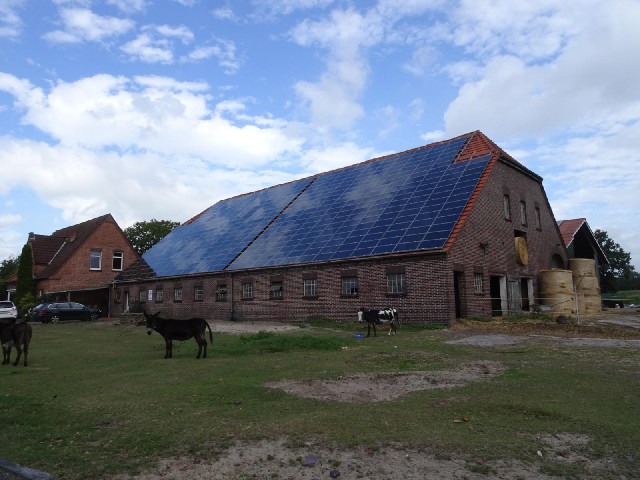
(149, 50)
(186, 3)
(10, 22)
(152, 114)
(183, 33)
(224, 13)
(7, 219)
(223, 50)
(268, 9)
(129, 6)
(83, 25)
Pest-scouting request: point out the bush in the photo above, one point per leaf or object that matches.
(25, 303)
(136, 307)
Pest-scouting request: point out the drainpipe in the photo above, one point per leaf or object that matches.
(231, 294)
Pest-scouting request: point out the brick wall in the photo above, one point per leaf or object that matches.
(428, 298)
(75, 274)
(486, 243)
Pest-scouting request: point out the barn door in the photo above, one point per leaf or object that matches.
(514, 294)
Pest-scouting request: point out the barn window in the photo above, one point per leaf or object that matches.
(142, 295)
(221, 293)
(523, 212)
(96, 259)
(396, 283)
(477, 282)
(310, 287)
(349, 286)
(538, 220)
(198, 294)
(276, 290)
(506, 204)
(247, 291)
(177, 294)
(159, 295)
(118, 259)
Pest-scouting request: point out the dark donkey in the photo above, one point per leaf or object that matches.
(181, 330)
(15, 334)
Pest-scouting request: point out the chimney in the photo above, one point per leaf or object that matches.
(32, 237)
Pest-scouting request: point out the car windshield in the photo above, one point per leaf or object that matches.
(41, 306)
(6, 305)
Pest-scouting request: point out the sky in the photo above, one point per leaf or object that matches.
(159, 108)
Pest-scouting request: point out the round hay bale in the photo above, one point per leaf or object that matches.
(556, 290)
(583, 267)
(522, 253)
(587, 285)
(589, 304)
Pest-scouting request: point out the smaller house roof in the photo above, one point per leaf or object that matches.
(54, 250)
(569, 230)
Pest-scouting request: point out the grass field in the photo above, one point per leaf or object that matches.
(98, 399)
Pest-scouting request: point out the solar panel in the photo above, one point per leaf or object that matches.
(400, 203)
(219, 234)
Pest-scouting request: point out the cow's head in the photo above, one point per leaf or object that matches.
(151, 321)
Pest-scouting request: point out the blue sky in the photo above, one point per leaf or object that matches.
(158, 109)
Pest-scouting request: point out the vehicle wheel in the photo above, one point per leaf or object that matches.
(93, 317)
(55, 319)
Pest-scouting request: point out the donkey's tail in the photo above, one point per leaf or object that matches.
(210, 333)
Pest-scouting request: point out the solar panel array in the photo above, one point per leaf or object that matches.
(405, 202)
(220, 233)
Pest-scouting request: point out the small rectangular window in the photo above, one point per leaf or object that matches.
(310, 287)
(276, 290)
(96, 259)
(350, 286)
(396, 283)
(159, 295)
(221, 293)
(198, 294)
(506, 204)
(538, 219)
(523, 213)
(177, 294)
(118, 260)
(143, 296)
(247, 291)
(477, 282)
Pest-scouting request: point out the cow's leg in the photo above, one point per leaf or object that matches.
(368, 329)
(373, 324)
(167, 348)
(26, 351)
(198, 340)
(6, 353)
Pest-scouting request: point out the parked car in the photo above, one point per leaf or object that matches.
(8, 309)
(55, 312)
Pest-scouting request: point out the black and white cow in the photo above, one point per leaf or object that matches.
(378, 317)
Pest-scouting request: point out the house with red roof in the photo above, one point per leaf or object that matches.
(581, 242)
(453, 229)
(78, 263)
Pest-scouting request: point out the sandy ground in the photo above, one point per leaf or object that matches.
(277, 459)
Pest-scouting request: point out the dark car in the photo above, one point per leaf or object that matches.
(54, 312)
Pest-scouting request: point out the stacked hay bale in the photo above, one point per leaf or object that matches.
(556, 290)
(587, 285)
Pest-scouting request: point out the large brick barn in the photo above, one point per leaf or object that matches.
(453, 229)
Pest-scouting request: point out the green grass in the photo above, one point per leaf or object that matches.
(99, 399)
(629, 296)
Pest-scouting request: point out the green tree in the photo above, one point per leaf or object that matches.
(619, 267)
(8, 268)
(144, 235)
(25, 286)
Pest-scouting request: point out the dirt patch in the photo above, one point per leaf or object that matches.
(315, 460)
(377, 387)
(241, 328)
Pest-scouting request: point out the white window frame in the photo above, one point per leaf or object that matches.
(276, 290)
(221, 293)
(350, 286)
(310, 287)
(177, 294)
(247, 291)
(95, 254)
(198, 293)
(117, 255)
(477, 283)
(396, 283)
(159, 295)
